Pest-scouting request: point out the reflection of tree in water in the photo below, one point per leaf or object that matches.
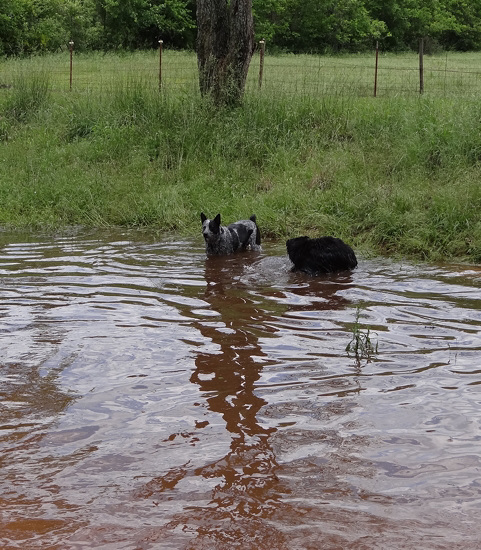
(248, 499)
(248, 471)
(247, 489)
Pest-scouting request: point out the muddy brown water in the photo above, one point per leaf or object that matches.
(153, 398)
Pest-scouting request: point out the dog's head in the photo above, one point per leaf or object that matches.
(296, 249)
(210, 228)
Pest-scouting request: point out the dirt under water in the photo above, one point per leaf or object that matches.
(153, 398)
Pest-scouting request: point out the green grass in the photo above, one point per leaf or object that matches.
(393, 175)
(447, 75)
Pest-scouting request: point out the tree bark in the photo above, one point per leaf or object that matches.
(225, 44)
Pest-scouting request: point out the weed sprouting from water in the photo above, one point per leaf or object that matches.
(361, 344)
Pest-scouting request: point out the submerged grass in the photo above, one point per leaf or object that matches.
(394, 175)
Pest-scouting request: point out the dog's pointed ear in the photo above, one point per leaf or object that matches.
(203, 217)
(217, 219)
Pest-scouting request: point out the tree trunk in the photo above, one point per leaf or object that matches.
(225, 43)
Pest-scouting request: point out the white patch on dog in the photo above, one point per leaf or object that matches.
(321, 255)
(220, 239)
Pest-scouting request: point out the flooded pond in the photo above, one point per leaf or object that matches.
(152, 398)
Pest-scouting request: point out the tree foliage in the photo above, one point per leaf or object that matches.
(28, 26)
(333, 25)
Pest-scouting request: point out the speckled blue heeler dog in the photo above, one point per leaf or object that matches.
(321, 255)
(221, 239)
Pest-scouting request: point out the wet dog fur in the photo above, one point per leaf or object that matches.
(220, 239)
(320, 255)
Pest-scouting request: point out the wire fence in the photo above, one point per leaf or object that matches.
(375, 74)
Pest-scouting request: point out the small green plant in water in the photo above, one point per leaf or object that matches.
(361, 345)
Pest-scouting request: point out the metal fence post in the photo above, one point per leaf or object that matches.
(71, 62)
(160, 63)
(421, 65)
(261, 61)
(375, 71)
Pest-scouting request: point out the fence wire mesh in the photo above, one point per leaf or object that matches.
(452, 74)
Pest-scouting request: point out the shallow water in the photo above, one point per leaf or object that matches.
(153, 398)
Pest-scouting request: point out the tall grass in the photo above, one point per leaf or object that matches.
(393, 175)
(31, 95)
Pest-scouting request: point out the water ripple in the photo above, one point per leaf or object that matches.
(151, 397)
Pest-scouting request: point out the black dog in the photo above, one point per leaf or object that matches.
(322, 255)
(220, 239)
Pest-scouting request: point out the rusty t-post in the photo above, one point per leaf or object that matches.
(261, 61)
(160, 63)
(421, 65)
(71, 62)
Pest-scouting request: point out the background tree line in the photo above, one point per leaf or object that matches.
(29, 26)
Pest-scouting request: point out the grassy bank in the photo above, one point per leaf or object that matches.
(390, 175)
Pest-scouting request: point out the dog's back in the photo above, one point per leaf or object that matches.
(247, 232)
(258, 233)
(321, 255)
